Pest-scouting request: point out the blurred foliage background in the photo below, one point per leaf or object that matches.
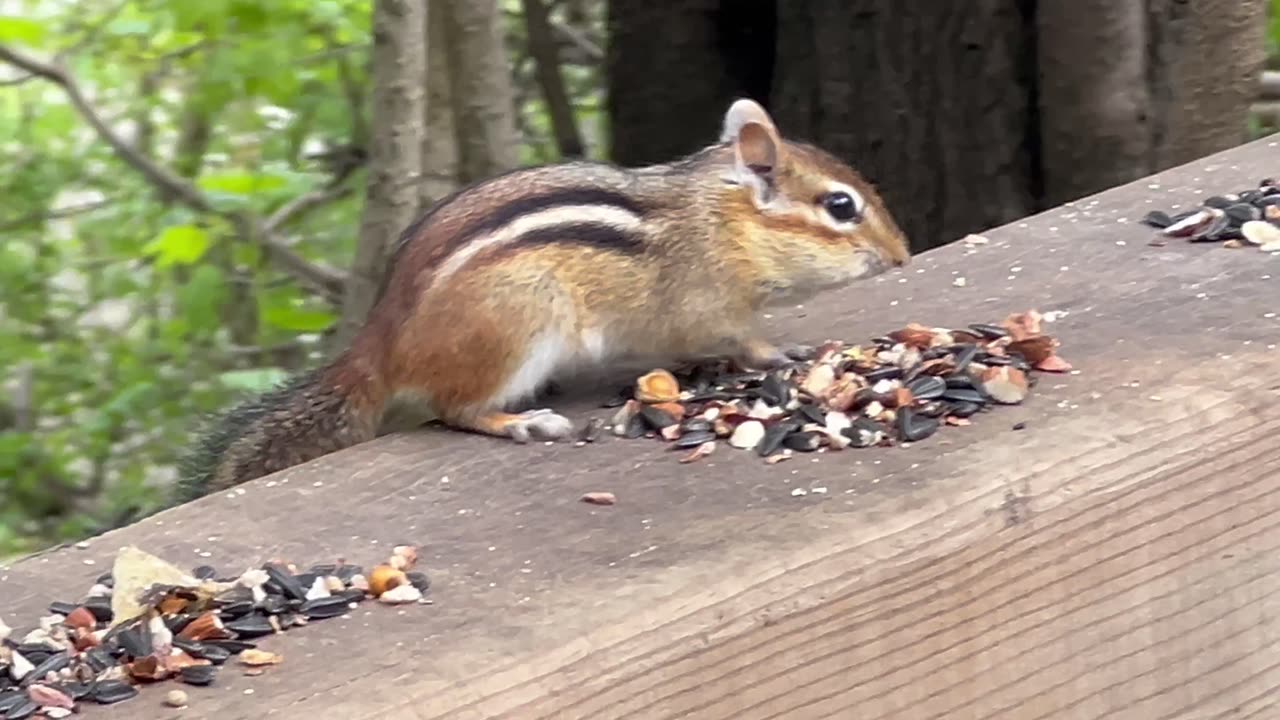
(127, 309)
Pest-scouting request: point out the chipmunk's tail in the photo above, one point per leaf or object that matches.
(309, 415)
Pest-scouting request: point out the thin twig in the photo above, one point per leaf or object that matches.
(303, 204)
(57, 214)
(579, 40)
(328, 280)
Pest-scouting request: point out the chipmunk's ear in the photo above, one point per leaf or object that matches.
(756, 144)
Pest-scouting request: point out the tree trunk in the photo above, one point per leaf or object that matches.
(1204, 61)
(934, 105)
(440, 141)
(395, 151)
(480, 84)
(673, 66)
(967, 115)
(542, 47)
(1141, 87)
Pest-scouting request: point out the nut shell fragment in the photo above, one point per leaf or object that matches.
(657, 386)
(599, 498)
(384, 577)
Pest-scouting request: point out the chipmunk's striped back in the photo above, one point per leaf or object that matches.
(507, 282)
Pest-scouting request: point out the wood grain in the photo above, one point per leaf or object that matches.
(1115, 559)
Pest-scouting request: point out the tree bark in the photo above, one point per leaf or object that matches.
(480, 85)
(546, 59)
(440, 141)
(395, 152)
(966, 115)
(1095, 105)
(934, 104)
(1141, 87)
(673, 66)
(1204, 61)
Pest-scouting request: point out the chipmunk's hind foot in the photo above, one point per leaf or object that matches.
(542, 424)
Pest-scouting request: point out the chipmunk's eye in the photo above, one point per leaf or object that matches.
(840, 206)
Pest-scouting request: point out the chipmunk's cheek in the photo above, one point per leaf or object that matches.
(865, 262)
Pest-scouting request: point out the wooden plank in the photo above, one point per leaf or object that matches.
(1117, 558)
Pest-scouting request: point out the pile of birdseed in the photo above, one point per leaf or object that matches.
(1248, 218)
(900, 388)
(147, 621)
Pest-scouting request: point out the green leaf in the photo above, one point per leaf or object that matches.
(178, 245)
(288, 317)
(21, 30)
(255, 380)
(240, 183)
(130, 26)
(201, 297)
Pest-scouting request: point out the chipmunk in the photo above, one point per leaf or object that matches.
(506, 282)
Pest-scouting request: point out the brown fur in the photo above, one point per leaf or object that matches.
(688, 278)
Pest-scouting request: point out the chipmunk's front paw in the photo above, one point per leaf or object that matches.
(763, 355)
(543, 424)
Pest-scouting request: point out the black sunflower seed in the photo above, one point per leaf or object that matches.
(693, 439)
(351, 595)
(590, 431)
(964, 355)
(346, 572)
(274, 604)
(961, 394)
(1157, 219)
(22, 710)
(233, 597)
(913, 427)
(204, 572)
(254, 625)
(62, 608)
(198, 674)
(203, 651)
(927, 387)
(323, 569)
(773, 437)
(36, 652)
(656, 418)
(964, 409)
(775, 390)
(804, 441)
(888, 372)
(98, 658)
(813, 414)
(325, 607)
(235, 647)
(934, 408)
(282, 581)
(696, 424)
(108, 692)
(989, 331)
(10, 699)
(53, 663)
(76, 690)
(100, 607)
(419, 580)
(1241, 213)
(176, 623)
(134, 641)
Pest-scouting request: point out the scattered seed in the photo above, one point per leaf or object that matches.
(599, 498)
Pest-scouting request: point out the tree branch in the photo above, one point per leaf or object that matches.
(579, 40)
(302, 205)
(328, 280)
(546, 61)
(55, 214)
